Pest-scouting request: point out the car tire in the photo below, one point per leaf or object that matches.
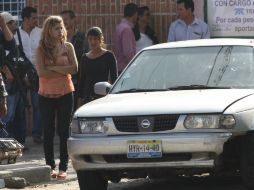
(91, 180)
(247, 160)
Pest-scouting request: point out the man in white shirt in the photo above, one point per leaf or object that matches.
(30, 37)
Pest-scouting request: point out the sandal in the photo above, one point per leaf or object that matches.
(61, 175)
(53, 174)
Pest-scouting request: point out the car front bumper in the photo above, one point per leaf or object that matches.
(88, 153)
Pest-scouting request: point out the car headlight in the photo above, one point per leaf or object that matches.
(90, 126)
(227, 121)
(74, 126)
(209, 121)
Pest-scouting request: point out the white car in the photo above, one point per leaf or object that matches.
(178, 108)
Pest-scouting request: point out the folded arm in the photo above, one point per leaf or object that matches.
(68, 69)
(42, 68)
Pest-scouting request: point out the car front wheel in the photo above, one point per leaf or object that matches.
(247, 160)
(91, 180)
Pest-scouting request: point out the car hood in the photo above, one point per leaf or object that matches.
(166, 102)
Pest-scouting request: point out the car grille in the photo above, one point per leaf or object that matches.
(133, 123)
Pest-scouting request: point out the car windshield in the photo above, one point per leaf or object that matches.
(189, 68)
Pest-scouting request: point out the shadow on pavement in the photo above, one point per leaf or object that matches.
(194, 183)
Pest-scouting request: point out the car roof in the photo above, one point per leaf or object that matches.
(204, 42)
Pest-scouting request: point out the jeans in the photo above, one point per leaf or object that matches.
(15, 119)
(37, 128)
(59, 110)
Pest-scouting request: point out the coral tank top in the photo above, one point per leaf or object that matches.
(56, 87)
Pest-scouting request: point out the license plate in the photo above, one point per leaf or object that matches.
(144, 149)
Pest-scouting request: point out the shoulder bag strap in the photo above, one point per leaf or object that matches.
(20, 41)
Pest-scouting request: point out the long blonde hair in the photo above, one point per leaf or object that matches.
(47, 43)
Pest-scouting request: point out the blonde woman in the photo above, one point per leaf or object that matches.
(56, 62)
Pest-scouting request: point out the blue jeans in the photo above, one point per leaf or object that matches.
(15, 119)
(37, 129)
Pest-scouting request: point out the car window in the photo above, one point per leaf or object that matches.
(230, 66)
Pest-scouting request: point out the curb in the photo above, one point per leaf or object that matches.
(32, 173)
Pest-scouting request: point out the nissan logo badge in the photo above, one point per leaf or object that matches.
(145, 123)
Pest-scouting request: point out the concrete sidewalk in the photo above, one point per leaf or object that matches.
(31, 166)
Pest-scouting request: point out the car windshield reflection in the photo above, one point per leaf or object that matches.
(203, 67)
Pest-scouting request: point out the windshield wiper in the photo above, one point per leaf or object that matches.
(139, 90)
(193, 87)
(189, 87)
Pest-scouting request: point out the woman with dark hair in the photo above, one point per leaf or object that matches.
(97, 65)
(144, 34)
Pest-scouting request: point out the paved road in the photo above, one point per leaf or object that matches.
(145, 184)
(181, 184)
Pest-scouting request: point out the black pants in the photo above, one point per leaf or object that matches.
(59, 110)
(75, 97)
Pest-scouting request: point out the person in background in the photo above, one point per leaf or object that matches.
(187, 26)
(30, 36)
(78, 40)
(11, 21)
(97, 65)
(15, 119)
(144, 34)
(125, 43)
(12, 26)
(8, 43)
(56, 62)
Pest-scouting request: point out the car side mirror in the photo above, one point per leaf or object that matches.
(102, 88)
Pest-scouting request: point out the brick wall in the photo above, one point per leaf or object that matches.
(107, 13)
